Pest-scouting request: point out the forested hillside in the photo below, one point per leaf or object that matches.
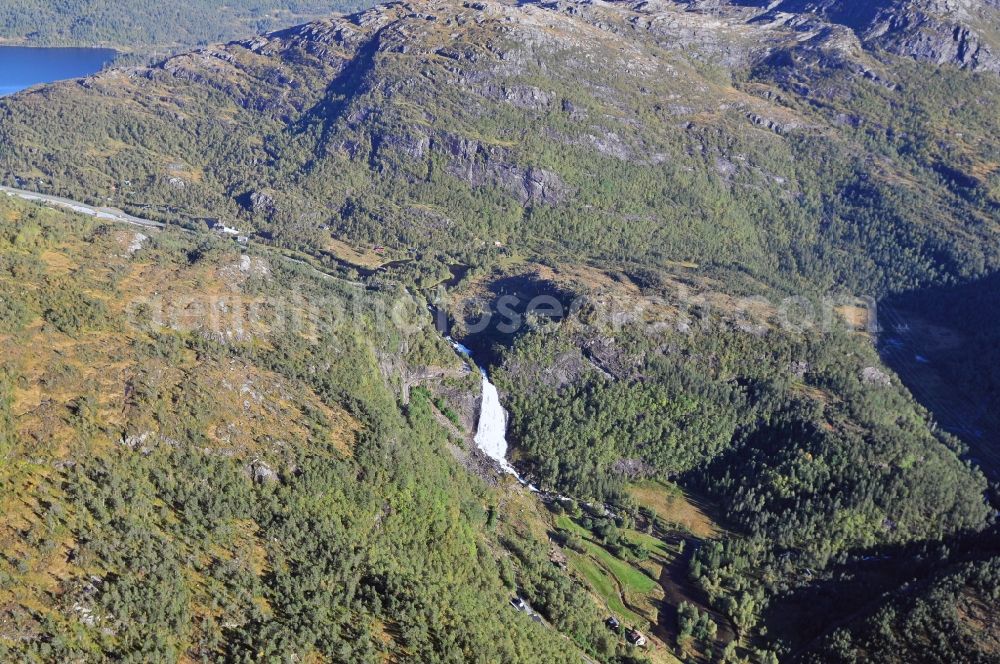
(954, 610)
(818, 463)
(199, 462)
(141, 24)
(688, 212)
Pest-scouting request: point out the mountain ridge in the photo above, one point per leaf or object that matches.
(709, 198)
(417, 92)
(961, 32)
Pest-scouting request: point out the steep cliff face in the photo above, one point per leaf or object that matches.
(961, 32)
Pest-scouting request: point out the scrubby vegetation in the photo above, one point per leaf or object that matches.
(808, 451)
(740, 487)
(571, 161)
(173, 489)
(137, 25)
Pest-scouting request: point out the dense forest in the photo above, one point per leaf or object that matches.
(813, 456)
(953, 610)
(731, 454)
(220, 487)
(140, 25)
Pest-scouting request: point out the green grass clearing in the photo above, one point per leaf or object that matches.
(633, 580)
(604, 585)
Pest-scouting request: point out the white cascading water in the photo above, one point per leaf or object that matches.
(491, 434)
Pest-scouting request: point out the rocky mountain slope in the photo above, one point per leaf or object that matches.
(960, 32)
(657, 131)
(679, 175)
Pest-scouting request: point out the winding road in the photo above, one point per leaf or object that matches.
(105, 213)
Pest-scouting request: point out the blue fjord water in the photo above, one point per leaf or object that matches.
(22, 67)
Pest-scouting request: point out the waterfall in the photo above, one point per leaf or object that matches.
(491, 434)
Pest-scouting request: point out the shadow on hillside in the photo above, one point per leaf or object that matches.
(944, 344)
(852, 591)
